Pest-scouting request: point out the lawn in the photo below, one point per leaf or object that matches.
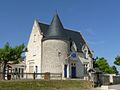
(45, 85)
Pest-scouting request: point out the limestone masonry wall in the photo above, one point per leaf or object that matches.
(54, 54)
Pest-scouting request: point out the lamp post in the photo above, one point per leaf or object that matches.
(36, 67)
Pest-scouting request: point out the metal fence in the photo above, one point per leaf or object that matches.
(20, 76)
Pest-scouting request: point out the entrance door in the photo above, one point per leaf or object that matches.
(73, 71)
(65, 71)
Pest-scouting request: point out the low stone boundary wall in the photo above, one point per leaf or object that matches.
(116, 79)
(107, 79)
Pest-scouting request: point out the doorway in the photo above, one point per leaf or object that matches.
(73, 72)
(65, 71)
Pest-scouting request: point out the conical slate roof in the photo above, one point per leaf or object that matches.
(56, 30)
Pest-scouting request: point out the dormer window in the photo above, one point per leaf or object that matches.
(70, 46)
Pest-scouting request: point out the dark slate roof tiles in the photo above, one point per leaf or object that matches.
(73, 35)
(55, 30)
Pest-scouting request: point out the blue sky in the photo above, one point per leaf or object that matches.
(97, 20)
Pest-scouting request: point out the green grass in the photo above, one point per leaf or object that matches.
(45, 85)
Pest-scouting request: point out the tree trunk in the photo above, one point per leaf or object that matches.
(1, 71)
(4, 70)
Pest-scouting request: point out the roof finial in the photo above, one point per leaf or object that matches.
(56, 12)
(56, 29)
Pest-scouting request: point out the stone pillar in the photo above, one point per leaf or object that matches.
(68, 70)
(63, 71)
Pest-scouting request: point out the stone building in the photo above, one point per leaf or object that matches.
(54, 49)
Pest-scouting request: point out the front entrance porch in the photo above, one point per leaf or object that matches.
(69, 71)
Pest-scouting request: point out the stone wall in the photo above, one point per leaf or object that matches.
(107, 79)
(33, 56)
(54, 55)
(116, 79)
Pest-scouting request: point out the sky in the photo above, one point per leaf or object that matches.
(97, 20)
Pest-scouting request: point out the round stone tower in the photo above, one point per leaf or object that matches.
(55, 47)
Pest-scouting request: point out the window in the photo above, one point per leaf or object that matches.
(15, 70)
(34, 38)
(22, 71)
(71, 46)
(34, 51)
(19, 70)
(73, 64)
(85, 68)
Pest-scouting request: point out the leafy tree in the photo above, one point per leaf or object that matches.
(94, 62)
(115, 69)
(8, 53)
(103, 65)
(117, 60)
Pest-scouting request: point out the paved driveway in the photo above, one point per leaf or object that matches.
(114, 87)
(111, 87)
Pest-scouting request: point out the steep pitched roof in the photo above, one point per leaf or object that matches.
(73, 35)
(55, 30)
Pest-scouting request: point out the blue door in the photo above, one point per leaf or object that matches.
(65, 71)
(73, 71)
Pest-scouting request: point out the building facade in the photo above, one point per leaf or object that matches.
(54, 49)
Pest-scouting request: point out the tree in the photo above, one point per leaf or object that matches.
(94, 62)
(103, 65)
(115, 69)
(8, 53)
(117, 60)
